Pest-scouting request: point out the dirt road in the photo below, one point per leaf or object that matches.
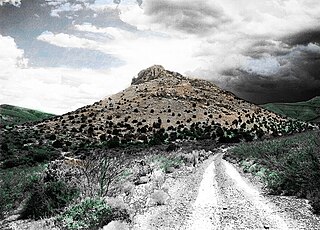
(217, 196)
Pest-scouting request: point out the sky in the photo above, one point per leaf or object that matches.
(59, 55)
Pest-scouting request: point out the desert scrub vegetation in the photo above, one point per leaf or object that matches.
(13, 183)
(16, 150)
(91, 213)
(168, 163)
(47, 198)
(288, 165)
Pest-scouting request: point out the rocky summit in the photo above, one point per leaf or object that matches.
(160, 106)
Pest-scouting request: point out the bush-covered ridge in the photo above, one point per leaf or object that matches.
(289, 165)
(12, 115)
(159, 107)
(305, 111)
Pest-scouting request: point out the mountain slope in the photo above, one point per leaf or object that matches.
(11, 115)
(306, 110)
(160, 106)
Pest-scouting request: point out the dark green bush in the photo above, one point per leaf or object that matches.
(30, 157)
(16, 161)
(13, 185)
(47, 199)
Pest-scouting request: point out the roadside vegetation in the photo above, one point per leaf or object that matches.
(102, 186)
(13, 184)
(288, 165)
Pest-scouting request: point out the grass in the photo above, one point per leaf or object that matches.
(166, 162)
(12, 115)
(306, 111)
(289, 165)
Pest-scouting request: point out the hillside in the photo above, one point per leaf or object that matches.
(12, 115)
(160, 106)
(305, 111)
(164, 123)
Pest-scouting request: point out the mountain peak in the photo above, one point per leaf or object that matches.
(160, 106)
(152, 73)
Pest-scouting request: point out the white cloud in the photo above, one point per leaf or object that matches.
(242, 23)
(60, 6)
(263, 66)
(202, 38)
(59, 90)
(66, 40)
(56, 90)
(138, 50)
(13, 2)
(9, 51)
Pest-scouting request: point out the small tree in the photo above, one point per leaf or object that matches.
(100, 173)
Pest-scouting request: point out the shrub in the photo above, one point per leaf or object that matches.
(16, 161)
(57, 144)
(101, 174)
(172, 147)
(169, 162)
(12, 186)
(113, 142)
(47, 199)
(91, 213)
(30, 157)
(158, 178)
(159, 197)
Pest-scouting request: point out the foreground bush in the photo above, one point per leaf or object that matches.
(290, 165)
(91, 213)
(13, 185)
(47, 198)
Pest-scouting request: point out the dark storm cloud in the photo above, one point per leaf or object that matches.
(26, 22)
(190, 16)
(297, 77)
(303, 37)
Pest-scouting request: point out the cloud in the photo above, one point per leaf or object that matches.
(137, 50)
(66, 40)
(195, 17)
(263, 66)
(255, 45)
(261, 50)
(295, 75)
(56, 90)
(59, 90)
(13, 2)
(10, 55)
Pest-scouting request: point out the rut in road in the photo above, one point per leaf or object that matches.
(226, 201)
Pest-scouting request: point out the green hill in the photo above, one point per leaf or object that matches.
(11, 115)
(305, 110)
